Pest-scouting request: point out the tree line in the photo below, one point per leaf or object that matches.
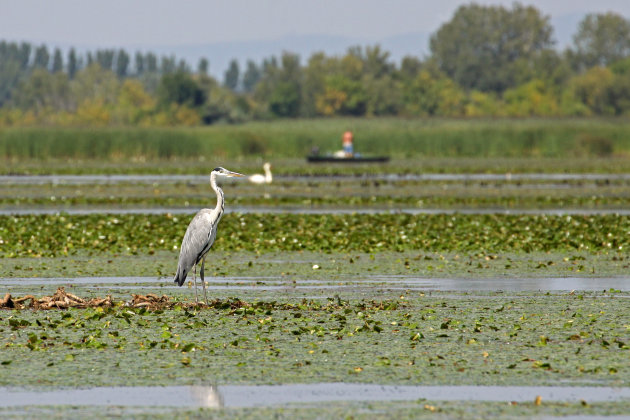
(485, 61)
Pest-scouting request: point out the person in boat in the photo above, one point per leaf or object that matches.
(348, 148)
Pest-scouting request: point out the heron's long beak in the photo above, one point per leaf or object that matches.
(233, 174)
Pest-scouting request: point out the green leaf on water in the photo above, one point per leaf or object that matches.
(188, 347)
(416, 336)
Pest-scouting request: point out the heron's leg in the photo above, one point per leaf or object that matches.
(203, 280)
(195, 281)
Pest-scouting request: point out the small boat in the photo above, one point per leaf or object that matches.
(351, 159)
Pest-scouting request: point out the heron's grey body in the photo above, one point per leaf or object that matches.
(200, 235)
(197, 241)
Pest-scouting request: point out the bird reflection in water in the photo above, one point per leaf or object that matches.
(206, 396)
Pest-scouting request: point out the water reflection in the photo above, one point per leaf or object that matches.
(278, 395)
(348, 282)
(149, 396)
(206, 396)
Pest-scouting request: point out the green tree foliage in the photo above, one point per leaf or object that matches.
(138, 63)
(344, 92)
(280, 85)
(314, 84)
(433, 95)
(42, 57)
(285, 98)
(481, 104)
(14, 61)
(601, 40)
(548, 66)
(151, 61)
(409, 68)
(220, 104)
(343, 96)
(181, 89)
(22, 54)
(251, 76)
(73, 64)
(602, 91)
(203, 66)
(232, 75)
(57, 64)
(377, 77)
(376, 62)
(95, 85)
(134, 105)
(487, 61)
(168, 65)
(183, 67)
(593, 90)
(105, 58)
(43, 92)
(122, 63)
(480, 46)
(531, 98)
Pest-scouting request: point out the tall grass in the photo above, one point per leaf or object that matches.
(295, 138)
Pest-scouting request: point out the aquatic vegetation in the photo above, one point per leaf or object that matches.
(315, 311)
(308, 201)
(414, 338)
(57, 235)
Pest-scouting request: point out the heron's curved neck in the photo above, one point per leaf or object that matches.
(220, 200)
(267, 174)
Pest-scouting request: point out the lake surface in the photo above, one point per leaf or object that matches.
(268, 283)
(273, 395)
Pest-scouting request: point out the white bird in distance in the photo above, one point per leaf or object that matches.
(262, 179)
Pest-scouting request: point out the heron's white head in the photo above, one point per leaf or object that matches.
(224, 172)
(267, 166)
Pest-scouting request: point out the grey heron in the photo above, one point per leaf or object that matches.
(200, 235)
(262, 179)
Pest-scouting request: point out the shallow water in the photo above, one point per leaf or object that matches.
(272, 395)
(269, 283)
(311, 210)
(198, 179)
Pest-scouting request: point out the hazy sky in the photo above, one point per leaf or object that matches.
(129, 23)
